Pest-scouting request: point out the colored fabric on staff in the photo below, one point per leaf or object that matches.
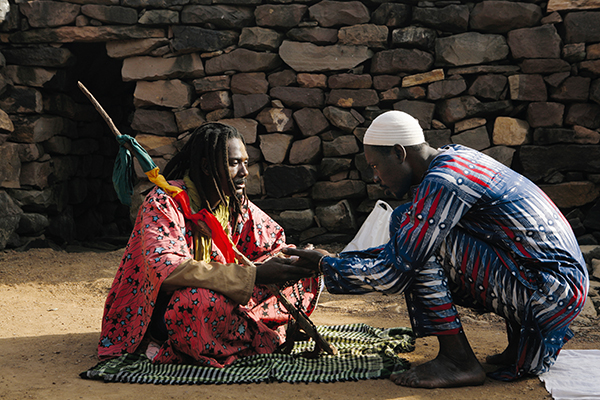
(123, 172)
(364, 352)
(478, 234)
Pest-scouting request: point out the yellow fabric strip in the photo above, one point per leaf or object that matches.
(155, 177)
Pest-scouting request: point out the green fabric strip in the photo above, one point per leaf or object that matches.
(364, 352)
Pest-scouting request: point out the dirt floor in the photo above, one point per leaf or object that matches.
(50, 309)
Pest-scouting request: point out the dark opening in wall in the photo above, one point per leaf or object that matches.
(93, 211)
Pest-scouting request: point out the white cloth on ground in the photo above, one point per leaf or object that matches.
(574, 376)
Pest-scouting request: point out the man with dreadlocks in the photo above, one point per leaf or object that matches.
(176, 293)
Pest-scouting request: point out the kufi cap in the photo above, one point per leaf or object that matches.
(394, 127)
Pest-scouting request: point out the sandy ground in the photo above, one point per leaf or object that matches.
(50, 310)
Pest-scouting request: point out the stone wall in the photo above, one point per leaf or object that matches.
(301, 80)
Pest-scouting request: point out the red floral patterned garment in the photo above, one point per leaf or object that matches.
(204, 326)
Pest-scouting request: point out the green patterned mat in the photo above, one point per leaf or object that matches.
(364, 352)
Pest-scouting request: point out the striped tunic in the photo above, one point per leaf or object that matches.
(480, 235)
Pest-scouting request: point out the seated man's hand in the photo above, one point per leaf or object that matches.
(280, 270)
(306, 258)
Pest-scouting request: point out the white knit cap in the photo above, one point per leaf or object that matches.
(394, 127)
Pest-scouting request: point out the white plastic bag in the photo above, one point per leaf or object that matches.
(376, 229)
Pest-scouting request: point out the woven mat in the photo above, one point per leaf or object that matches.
(364, 352)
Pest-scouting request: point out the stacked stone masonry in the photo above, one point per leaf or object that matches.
(302, 80)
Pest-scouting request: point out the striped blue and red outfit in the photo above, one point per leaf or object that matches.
(479, 235)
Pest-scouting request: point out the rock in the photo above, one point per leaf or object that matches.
(47, 14)
(158, 68)
(541, 161)
(312, 80)
(211, 101)
(574, 88)
(281, 204)
(58, 145)
(222, 17)
(571, 194)
(36, 174)
(6, 124)
(545, 114)
(546, 136)
(445, 89)
(247, 127)
(308, 57)
(458, 108)
(161, 123)
(511, 132)
(452, 18)
(544, 66)
(537, 42)
(332, 166)
(295, 97)
(310, 121)
(286, 77)
(468, 124)
(85, 34)
(350, 81)
(470, 48)
(586, 136)
(21, 100)
(341, 146)
(349, 98)
(110, 14)
(582, 27)
(35, 129)
(249, 83)
(477, 138)
(275, 147)
(489, 87)
(284, 180)
(189, 119)
(574, 52)
(32, 224)
(276, 119)
(338, 217)
(296, 220)
(10, 214)
(401, 60)
(391, 14)
(590, 67)
(28, 76)
(212, 83)
(584, 114)
(554, 5)
(135, 47)
(260, 39)
(370, 35)
(421, 110)
(306, 151)
(527, 88)
(423, 78)
(282, 16)
(414, 36)
(502, 154)
(316, 35)
(10, 165)
(340, 190)
(242, 60)
(159, 17)
(437, 137)
(334, 13)
(504, 16)
(342, 119)
(157, 146)
(168, 93)
(244, 105)
(189, 39)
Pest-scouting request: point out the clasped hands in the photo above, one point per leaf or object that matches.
(300, 263)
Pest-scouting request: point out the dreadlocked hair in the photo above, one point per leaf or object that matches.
(209, 142)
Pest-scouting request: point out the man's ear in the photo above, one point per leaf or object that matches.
(400, 152)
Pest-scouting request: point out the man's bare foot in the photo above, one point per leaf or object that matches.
(442, 372)
(507, 357)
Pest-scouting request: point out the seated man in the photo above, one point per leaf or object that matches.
(476, 234)
(175, 287)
